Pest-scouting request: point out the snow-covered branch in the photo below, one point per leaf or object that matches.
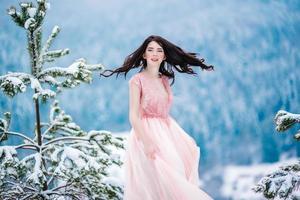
(27, 146)
(50, 56)
(60, 139)
(76, 73)
(62, 160)
(282, 183)
(285, 120)
(13, 83)
(39, 91)
(49, 41)
(30, 17)
(22, 136)
(4, 126)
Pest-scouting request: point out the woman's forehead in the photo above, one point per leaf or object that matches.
(154, 44)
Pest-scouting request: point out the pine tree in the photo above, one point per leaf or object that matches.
(62, 160)
(284, 182)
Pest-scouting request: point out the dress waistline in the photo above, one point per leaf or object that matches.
(164, 118)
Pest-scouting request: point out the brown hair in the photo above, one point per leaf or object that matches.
(175, 58)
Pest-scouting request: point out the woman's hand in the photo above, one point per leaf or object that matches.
(151, 150)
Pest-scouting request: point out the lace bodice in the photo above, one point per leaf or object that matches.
(155, 101)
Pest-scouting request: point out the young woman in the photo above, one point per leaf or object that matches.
(161, 159)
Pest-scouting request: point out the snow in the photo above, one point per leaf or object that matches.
(37, 176)
(55, 30)
(8, 152)
(12, 11)
(29, 22)
(239, 180)
(115, 171)
(24, 4)
(74, 67)
(50, 79)
(11, 84)
(16, 81)
(112, 181)
(31, 12)
(72, 125)
(54, 155)
(45, 93)
(284, 115)
(35, 84)
(42, 13)
(74, 155)
(56, 53)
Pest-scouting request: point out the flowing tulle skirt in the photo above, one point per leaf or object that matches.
(173, 174)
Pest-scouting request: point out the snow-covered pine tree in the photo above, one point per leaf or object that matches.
(283, 183)
(62, 161)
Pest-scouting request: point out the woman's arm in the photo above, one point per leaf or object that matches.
(136, 122)
(134, 103)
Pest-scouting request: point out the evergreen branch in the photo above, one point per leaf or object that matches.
(4, 126)
(23, 146)
(27, 196)
(284, 182)
(24, 13)
(285, 120)
(43, 52)
(23, 76)
(46, 131)
(50, 39)
(50, 180)
(62, 186)
(77, 72)
(12, 183)
(63, 139)
(12, 83)
(27, 158)
(64, 193)
(50, 56)
(22, 136)
(69, 130)
(41, 12)
(53, 159)
(38, 41)
(16, 16)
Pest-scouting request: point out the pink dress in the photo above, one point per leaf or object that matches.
(173, 174)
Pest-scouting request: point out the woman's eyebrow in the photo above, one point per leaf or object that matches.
(159, 48)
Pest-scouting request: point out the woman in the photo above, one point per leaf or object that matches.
(161, 159)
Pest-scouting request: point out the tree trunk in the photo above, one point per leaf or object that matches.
(33, 56)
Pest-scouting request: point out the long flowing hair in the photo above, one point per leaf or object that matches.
(176, 58)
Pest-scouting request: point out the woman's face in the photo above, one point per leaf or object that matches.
(154, 54)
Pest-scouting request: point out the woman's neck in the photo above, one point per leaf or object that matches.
(152, 72)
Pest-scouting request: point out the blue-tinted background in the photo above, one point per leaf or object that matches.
(253, 44)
